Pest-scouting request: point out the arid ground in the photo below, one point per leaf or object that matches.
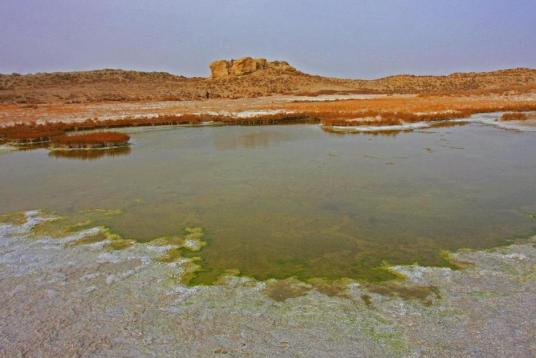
(413, 239)
(255, 88)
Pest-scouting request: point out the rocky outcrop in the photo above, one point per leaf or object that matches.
(234, 79)
(222, 69)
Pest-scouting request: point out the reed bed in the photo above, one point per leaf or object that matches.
(354, 113)
(385, 111)
(406, 109)
(28, 135)
(371, 118)
(379, 133)
(47, 131)
(514, 116)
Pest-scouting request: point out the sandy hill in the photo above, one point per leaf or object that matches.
(246, 77)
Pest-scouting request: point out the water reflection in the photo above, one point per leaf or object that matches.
(389, 132)
(448, 124)
(84, 154)
(386, 133)
(28, 147)
(260, 138)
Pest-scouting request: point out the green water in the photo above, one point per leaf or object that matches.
(282, 201)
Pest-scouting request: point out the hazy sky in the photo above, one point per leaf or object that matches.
(359, 39)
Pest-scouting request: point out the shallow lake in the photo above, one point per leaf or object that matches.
(282, 201)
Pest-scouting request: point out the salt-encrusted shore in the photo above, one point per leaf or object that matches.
(60, 299)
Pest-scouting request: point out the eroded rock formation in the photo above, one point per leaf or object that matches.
(222, 69)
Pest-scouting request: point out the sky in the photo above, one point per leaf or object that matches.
(342, 38)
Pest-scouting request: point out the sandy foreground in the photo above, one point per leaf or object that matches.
(62, 300)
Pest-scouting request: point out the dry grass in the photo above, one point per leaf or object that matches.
(398, 110)
(382, 111)
(30, 133)
(514, 116)
(378, 133)
(27, 134)
(129, 86)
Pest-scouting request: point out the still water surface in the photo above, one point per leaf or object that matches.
(283, 201)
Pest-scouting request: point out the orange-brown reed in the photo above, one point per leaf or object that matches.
(397, 110)
(27, 134)
(19, 133)
(514, 116)
(379, 111)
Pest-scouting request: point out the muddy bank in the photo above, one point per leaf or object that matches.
(63, 299)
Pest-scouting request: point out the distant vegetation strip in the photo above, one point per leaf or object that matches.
(398, 111)
(327, 115)
(378, 118)
(21, 134)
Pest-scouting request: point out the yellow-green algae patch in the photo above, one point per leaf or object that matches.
(115, 241)
(194, 239)
(62, 226)
(182, 249)
(170, 255)
(302, 270)
(192, 242)
(228, 274)
(119, 244)
(15, 218)
(331, 287)
(187, 271)
(90, 239)
(453, 262)
(281, 290)
(168, 241)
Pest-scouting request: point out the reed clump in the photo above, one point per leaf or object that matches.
(28, 135)
(371, 118)
(44, 132)
(406, 109)
(514, 116)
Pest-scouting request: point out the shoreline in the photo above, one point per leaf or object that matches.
(93, 303)
(10, 135)
(336, 113)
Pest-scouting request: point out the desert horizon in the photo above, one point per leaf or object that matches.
(208, 74)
